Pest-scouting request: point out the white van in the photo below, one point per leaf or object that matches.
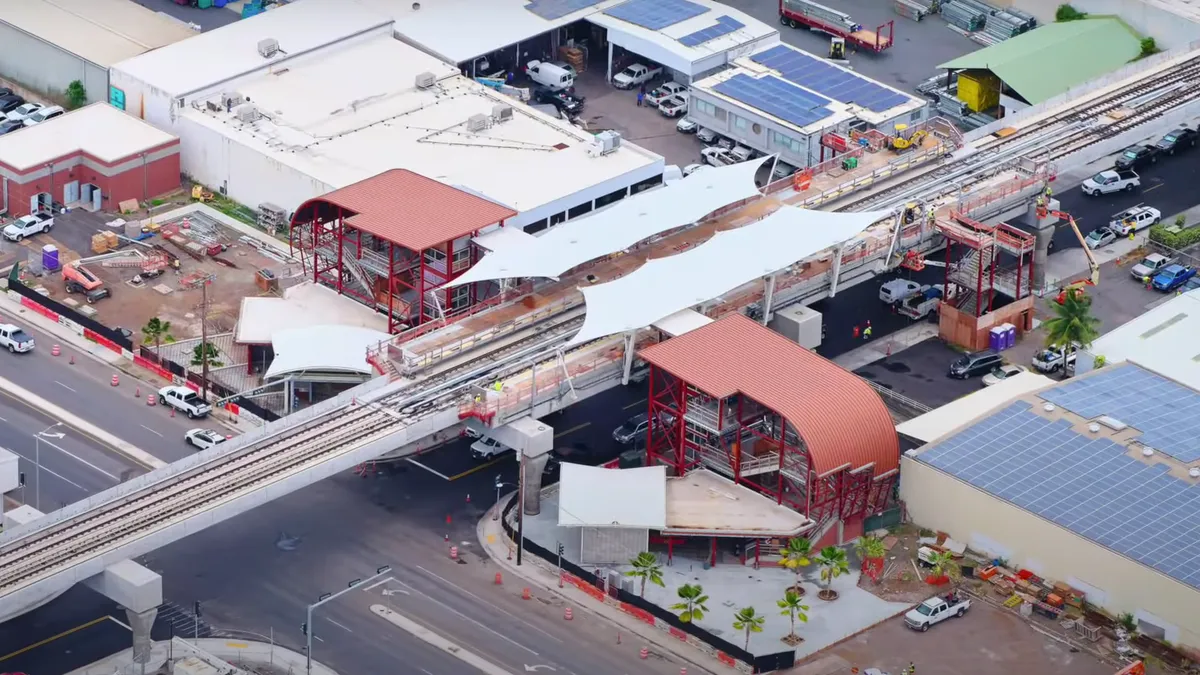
(550, 76)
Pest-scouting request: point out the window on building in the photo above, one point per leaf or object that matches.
(614, 196)
(740, 123)
(916, 116)
(435, 258)
(534, 228)
(576, 211)
(558, 218)
(460, 298)
(462, 259)
(646, 184)
(706, 108)
(787, 143)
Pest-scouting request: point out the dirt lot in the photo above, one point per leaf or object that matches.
(176, 295)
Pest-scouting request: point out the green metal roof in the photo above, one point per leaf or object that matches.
(1051, 59)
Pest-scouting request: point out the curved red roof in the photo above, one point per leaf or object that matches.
(840, 417)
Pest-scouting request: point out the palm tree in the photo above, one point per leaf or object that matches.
(646, 568)
(792, 608)
(1072, 324)
(155, 330)
(692, 608)
(748, 620)
(943, 564)
(868, 549)
(796, 558)
(833, 564)
(206, 353)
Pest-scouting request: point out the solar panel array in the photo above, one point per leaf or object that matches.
(656, 14)
(557, 9)
(827, 79)
(725, 26)
(776, 97)
(1167, 413)
(1087, 485)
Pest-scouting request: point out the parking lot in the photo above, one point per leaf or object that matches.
(919, 373)
(987, 641)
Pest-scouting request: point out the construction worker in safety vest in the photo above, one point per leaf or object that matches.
(867, 331)
(1146, 281)
(1049, 191)
(1041, 201)
(1132, 235)
(499, 386)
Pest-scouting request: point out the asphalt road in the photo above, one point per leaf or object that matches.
(207, 19)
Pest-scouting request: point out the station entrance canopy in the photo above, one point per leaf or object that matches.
(728, 260)
(618, 227)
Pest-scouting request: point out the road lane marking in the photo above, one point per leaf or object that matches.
(52, 472)
(118, 622)
(431, 470)
(65, 386)
(378, 583)
(572, 430)
(338, 625)
(643, 401)
(42, 643)
(81, 460)
(464, 617)
(485, 602)
(1152, 187)
(436, 640)
(150, 430)
(318, 639)
(481, 467)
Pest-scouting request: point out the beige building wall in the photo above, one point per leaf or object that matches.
(939, 501)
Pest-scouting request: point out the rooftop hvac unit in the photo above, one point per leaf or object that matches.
(247, 113)
(477, 122)
(268, 47)
(231, 99)
(426, 80)
(606, 142)
(502, 112)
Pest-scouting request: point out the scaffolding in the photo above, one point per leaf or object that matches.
(976, 272)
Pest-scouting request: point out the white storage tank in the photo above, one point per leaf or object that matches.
(799, 324)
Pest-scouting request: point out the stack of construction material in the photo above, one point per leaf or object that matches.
(1003, 25)
(574, 56)
(103, 242)
(1027, 19)
(964, 15)
(822, 14)
(911, 8)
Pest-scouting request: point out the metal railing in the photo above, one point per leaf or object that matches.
(899, 165)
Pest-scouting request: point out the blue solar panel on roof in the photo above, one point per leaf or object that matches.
(1165, 412)
(725, 25)
(1087, 485)
(825, 78)
(776, 97)
(656, 14)
(557, 9)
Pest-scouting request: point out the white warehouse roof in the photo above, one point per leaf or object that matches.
(592, 496)
(302, 306)
(103, 32)
(1162, 340)
(322, 349)
(939, 422)
(370, 117)
(213, 57)
(99, 130)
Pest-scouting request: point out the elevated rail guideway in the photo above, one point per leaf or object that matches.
(388, 413)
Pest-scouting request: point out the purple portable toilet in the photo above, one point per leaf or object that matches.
(996, 339)
(1010, 335)
(50, 258)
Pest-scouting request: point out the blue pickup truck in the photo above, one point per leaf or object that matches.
(1172, 277)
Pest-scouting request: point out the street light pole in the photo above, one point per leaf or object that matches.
(37, 462)
(326, 597)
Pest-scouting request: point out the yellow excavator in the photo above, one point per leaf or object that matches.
(1094, 278)
(900, 142)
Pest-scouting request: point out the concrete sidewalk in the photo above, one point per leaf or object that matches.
(541, 576)
(888, 345)
(222, 655)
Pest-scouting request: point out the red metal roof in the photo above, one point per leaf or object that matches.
(840, 417)
(413, 211)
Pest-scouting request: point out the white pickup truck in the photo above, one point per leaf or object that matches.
(922, 304)
(635, 74)
(1112, 180)
(936, 610)
(27, 226)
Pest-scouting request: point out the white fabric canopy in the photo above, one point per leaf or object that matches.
(731, 258)
(325, 349)
(620, 226)
(591, 496)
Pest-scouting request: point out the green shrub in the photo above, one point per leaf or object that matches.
(1175, 240)
(76, 95)
(1148, 47)
(1068, 13)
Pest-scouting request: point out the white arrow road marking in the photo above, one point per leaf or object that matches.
(392, 591)
(530, 669)
(424, 634)
(339, 625)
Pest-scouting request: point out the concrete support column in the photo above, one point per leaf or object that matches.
(768, 298)
(608, 77)
(1043, 233)
(836, 271)
(532, 470)
(630, 341)
(140, 623)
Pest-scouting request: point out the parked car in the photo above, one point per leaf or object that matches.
(1172, 277)
(22, 111)
(203, 439)
(635, 427)
(665, 91)
(1136, 156)
(565, 66)
(1002, 373)
(9, 126)
(937, 610)
(47, 113)
(673, 106)
(1134, 219)
(741, 153)
(974, 364)
(1149, 266)
(1051, 360)
(1110, 181)
(717, 156)
(707, 136)
(635, 74)
(921, 305)
(549, 75)
(561, 99)
(10, 102)
(687, 125)
(1101, 236)
(693, 168)
(185, 401)
(27, 226)
(782, 170)
(1179, 139)
(15, 340)
(899, 289)
(487, 448)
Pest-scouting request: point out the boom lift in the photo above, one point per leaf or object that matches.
(1094, 266)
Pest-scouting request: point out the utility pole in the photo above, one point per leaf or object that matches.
(205, 347)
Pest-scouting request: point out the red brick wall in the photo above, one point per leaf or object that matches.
(161, 176)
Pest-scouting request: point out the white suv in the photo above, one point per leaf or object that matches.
(203, 439)
(185, 401)
(487, 448)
